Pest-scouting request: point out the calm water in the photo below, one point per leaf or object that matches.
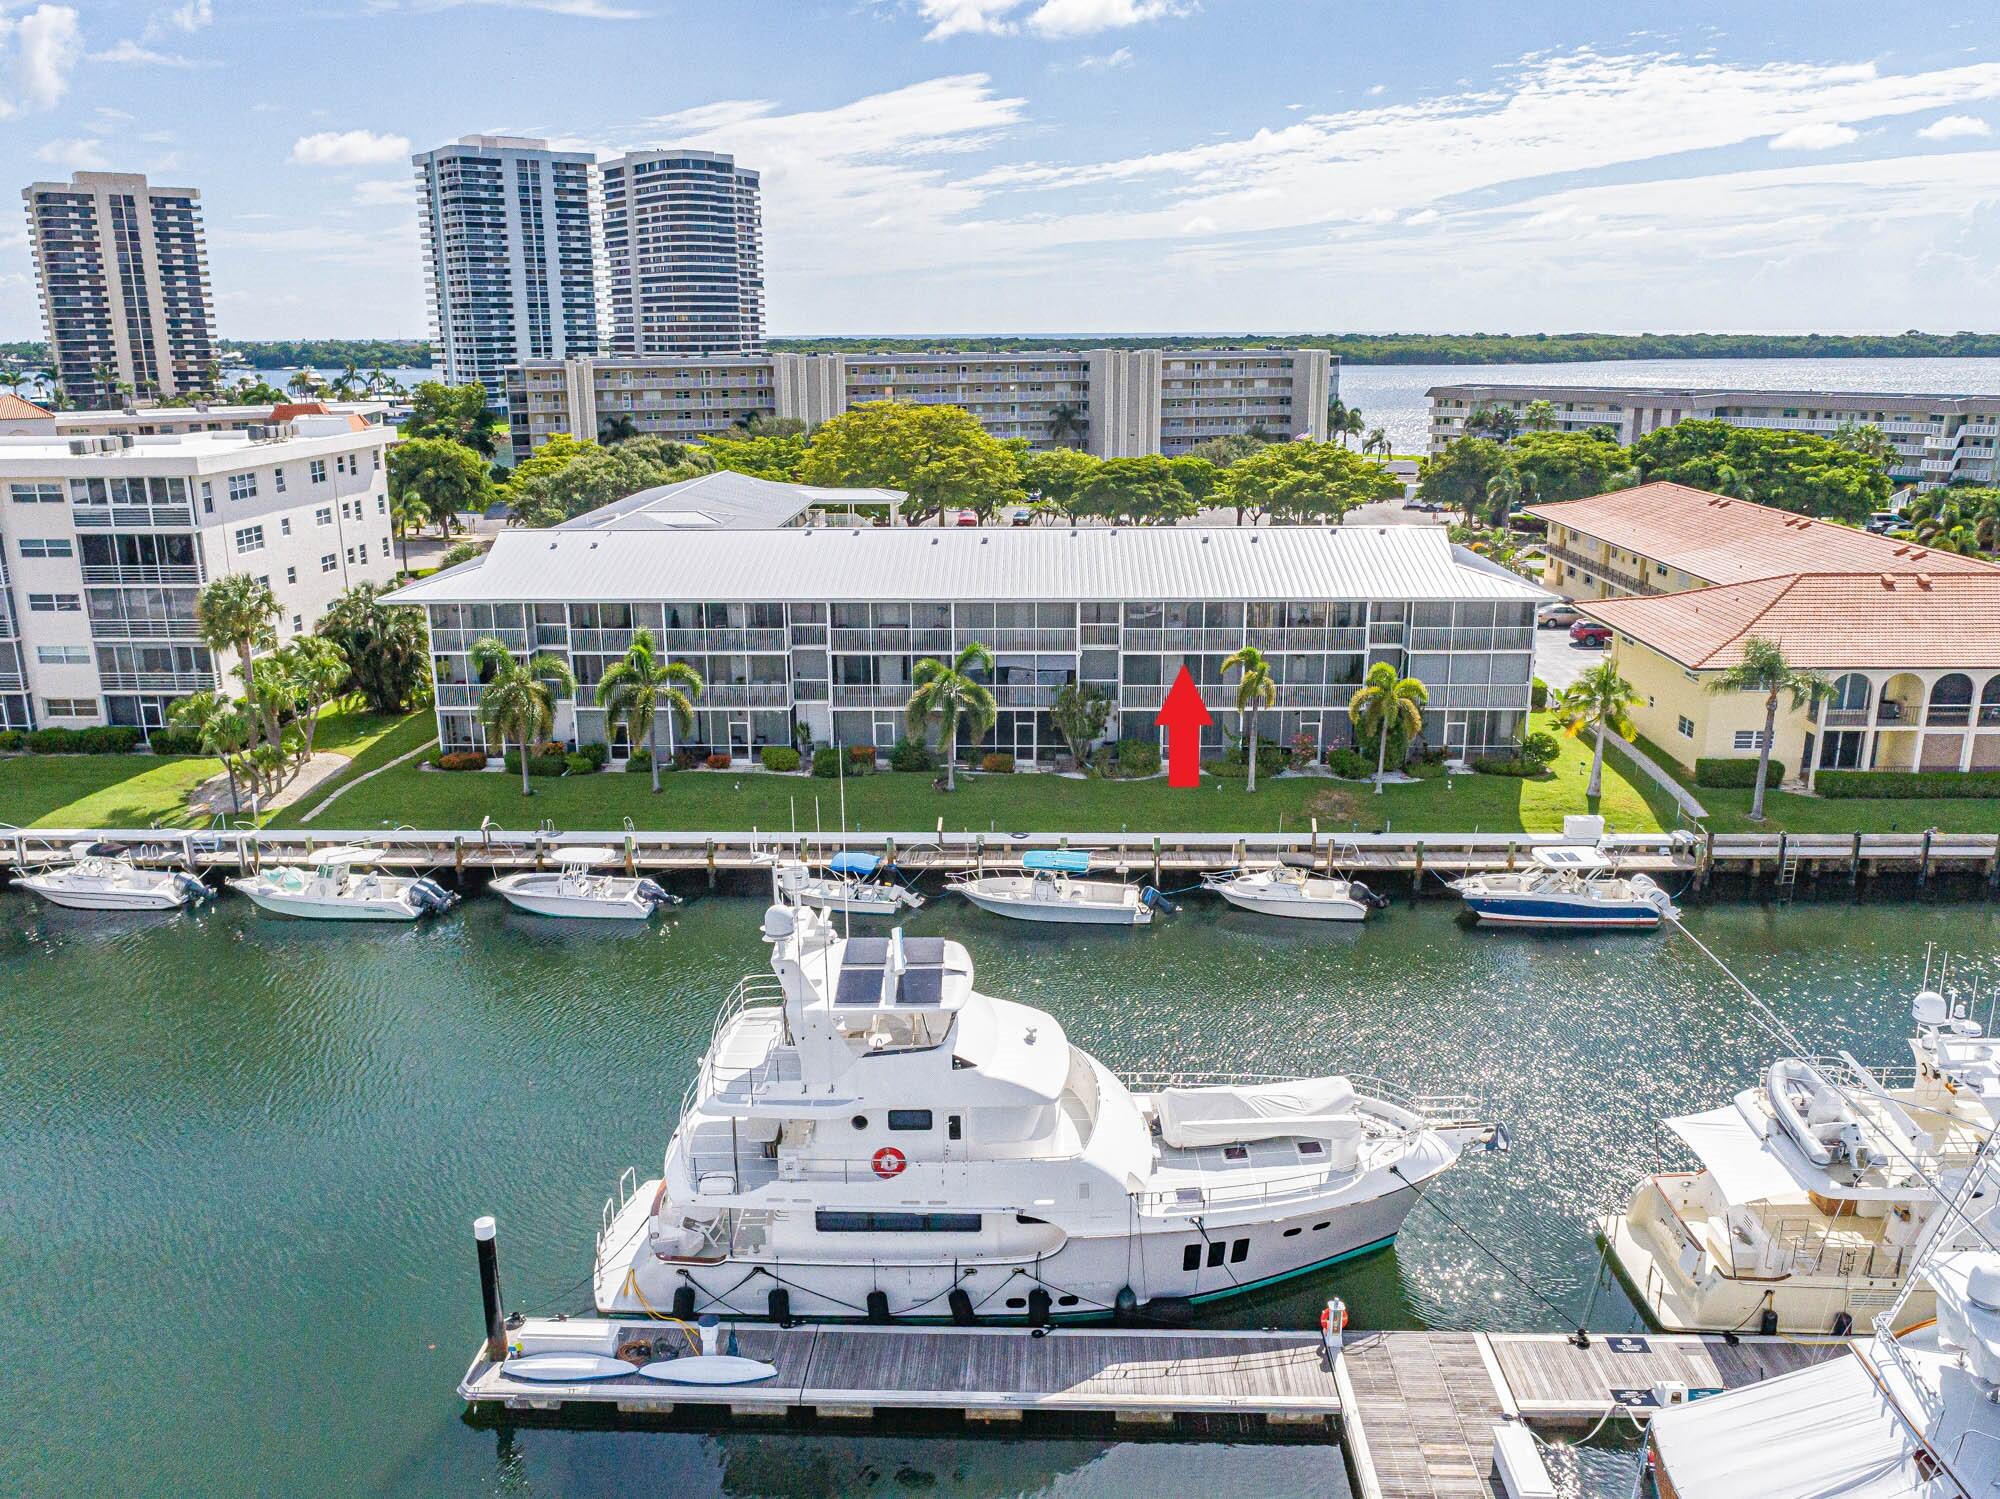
(242, 1156)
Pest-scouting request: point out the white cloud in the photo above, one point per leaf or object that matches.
(1956, 128)
(74, 155)
(582, 10)
(349, 148)
(40, 48)
(191, 15)
(1822, 136)
(1046, 18)
(382, 192)
(1118, 57)
(133, 52)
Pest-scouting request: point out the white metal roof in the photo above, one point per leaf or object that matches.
(997, 563)
(721, 500)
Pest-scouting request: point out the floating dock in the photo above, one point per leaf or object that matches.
(1415, 1411)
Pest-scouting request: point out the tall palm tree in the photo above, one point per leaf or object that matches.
(1067, 421)
(1352, 425)
(636, 687)
(1254, 690)
(1539, 417)
(1383, 703)
(1764, 669)
(518, 701)
(1502, 490)
(408, 512)
(1597, 700)
(948, 693)
(223, 729)
(240, 613)
(1377, 441)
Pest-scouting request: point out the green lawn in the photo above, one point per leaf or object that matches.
(884, 802)
(1784, 811)
(371, 743)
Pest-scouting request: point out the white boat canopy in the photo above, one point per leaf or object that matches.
(1312, 1106)
(1826, 1432)
(1569, 856)
(588, 855)
(1741, 1160)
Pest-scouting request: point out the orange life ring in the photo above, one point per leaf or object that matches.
(889, 1162)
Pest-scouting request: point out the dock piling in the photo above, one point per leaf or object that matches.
(484, 1232)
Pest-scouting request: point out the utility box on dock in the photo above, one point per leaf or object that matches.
(1517, 1459)
(1582, 828)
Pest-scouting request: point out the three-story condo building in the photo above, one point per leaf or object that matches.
(106, 541)
(819, 629)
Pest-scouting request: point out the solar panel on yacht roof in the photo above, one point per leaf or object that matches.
(860, 984)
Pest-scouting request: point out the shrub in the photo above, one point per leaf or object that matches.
(997, 764)
(779, 757)
(12, 739)
(717, 762)
(1305, 750)
(1138, 757)
(1538, 695)
(687, 759)
(1503, 765)
(577, 763)
(826, 761)
(465, 760)
(857, 753)
(105, 739)
(176, 742)
(1271, 758)
(599, 755)
(910, 754)
(1722, 774)
(1540, 750)
(547, 760)
(1349, 764)
(1903, 785)
(642, 761)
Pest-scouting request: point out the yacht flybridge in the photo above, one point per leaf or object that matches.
(869, 1135)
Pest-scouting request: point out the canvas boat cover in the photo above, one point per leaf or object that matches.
(1058, 861)
(854, 862)
(1317, 1107)
(1827, 1432)
(1736, 1155)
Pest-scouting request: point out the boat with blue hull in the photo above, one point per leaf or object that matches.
(1567, 887)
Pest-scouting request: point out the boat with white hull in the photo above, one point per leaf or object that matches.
(854, 884)
(342, 886)
(100, 878)
(870, 1135)
(1298, 894)
(1052, 887)
(1568, 887)
(1815, 1188)
(578, 889)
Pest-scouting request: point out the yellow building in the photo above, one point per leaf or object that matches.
(1668, 538)
(1914, 659)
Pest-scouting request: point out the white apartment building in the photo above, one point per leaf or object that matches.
(105, 542)
(510, 254)
(683, 254)
(122, 268)
(1934, 440)
(1110, 402)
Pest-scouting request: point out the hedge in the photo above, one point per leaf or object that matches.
(599, 755)
(1349, 764)
(1724, 774)
(12, 739)
(1538, 695)
(1271, 759)
(172, 741)
(909, 754)
(717, 761)
(105, 739)
(1138, 757)
(580, 764)
(998, 764)
(465, 760)
(1905, 785)
(779, 757)
(548, 760)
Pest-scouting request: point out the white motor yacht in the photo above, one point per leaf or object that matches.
(341, 885)
(1568, 887)
(855, 884)
(1814, 1189)
(1051, 887)
(870, 1135)
(577, 887)
(100, 877)
(1279, 890)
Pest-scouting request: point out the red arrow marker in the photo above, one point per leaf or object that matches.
(1184, 715)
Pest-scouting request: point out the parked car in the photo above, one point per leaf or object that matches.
(1882, 522)
(1557, 617)
(1590, 634)
(967, 518)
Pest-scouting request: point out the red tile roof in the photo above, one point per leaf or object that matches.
(1825, 621)
(1733, 541)
(14, 409)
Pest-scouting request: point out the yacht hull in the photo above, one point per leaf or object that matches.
(170, 898)
(1553, 911)
(1076, 914)
(1294, 909)
(280, 904)
(524, 896)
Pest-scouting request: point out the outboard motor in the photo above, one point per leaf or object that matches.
(429, 895)
(1367, 897)
(1158, 901)
(191, 887)
(655, 895)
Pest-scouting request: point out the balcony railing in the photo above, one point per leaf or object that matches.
(900, 641)
(135, 517)
(1627, 581)
(1025, 695)
(145, 629)
(849, 695)
(1949, 716)
(142, 572)
(745, 695)
(1846, 718)
(155, 681)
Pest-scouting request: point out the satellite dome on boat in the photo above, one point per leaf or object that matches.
(1929, 1008)
(1982, 1286)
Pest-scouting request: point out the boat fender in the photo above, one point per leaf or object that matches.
(1125, 1303)
(961, 1307)
(878, 1307)
(684, 1302)
(1843, 1324)
(779, 1304)
(1039, 1306)
(1767, 1323)
(1332, 1323)
(1367, 897)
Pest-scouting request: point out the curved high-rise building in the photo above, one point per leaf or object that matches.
(684, 254)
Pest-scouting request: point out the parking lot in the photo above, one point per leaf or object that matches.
(1559, 661)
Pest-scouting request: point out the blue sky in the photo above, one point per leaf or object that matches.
(1088, 165)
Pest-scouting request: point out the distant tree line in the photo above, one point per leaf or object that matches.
(283, 354)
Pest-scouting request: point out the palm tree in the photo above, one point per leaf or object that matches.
(616, 427)
(1597, 700)
(303, 383)
(223, 728)
(1539, 417)
(408, 512)
(13, 380)
(1254, 691)
(948, 693)
(1502, 490)
(1764, 669)
(636, 687)
(1732, 482)
(1377, 441)
(1066, 421)
(1352, 425)
(238, 612)
(1385, 702)
(519, 699)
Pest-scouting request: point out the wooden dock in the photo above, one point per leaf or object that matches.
(1415, 1410)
